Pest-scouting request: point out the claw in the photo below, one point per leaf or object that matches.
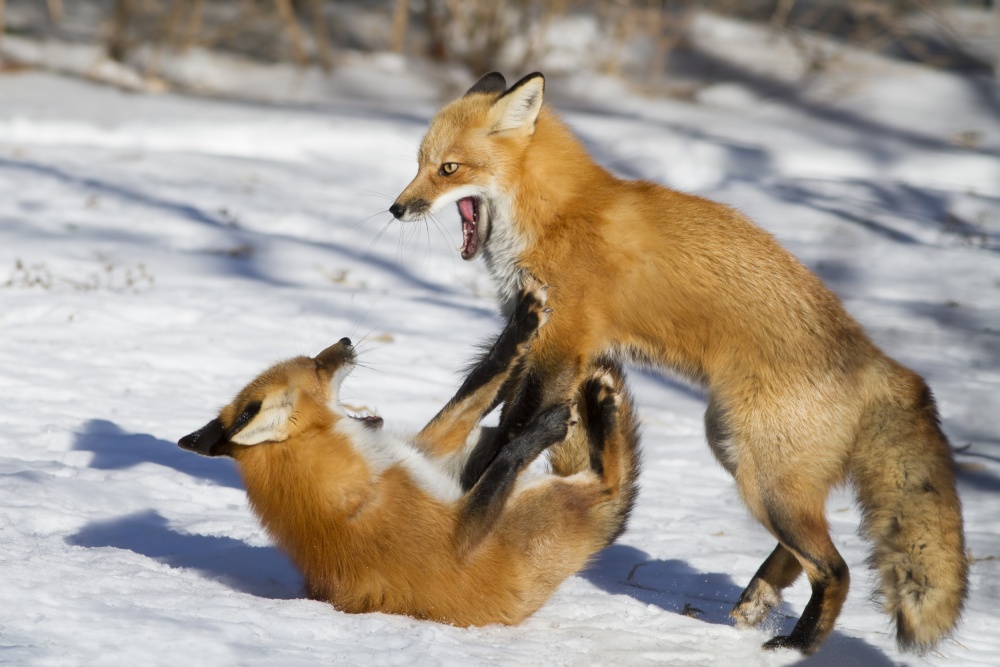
(574, 419)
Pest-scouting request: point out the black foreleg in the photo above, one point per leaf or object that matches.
(490, 379)
(484, 503)
(523, 396)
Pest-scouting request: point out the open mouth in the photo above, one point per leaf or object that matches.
(361, 414)
(468, 209)
(372, 421)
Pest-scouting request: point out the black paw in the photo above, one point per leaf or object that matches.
(788, 641)
(554, 424)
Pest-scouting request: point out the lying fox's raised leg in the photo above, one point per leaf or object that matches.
(485, 502)
(449, 430)
(606, 445)
(527, 393)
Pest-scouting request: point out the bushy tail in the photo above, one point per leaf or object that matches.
(608, 443)
(903, 472)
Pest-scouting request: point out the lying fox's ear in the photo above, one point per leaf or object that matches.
(264, 421)
(518, 108)
(491, 83)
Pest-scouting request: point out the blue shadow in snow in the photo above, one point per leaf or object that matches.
(671, 585)
(244, 265)
(674, 586)
(260, 571)
(115, 449)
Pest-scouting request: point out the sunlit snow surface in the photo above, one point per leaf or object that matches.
(157, 252)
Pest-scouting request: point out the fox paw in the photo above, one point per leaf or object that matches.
(755, 604)
(609, 385)
(554, 424)
(604, 390)
(531, 305)
(790, 641)
(574, 420)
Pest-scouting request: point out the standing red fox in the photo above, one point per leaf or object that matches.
(800, 400)
(377, 523)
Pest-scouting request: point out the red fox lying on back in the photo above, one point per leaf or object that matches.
(375, 523)
(800, 399)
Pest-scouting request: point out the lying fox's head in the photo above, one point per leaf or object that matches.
(283, 401)
(470, 156)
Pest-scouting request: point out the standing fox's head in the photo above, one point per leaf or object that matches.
(471, 156)
(282, 402)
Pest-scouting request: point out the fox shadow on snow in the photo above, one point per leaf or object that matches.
(674, 586)
(115, 449)
(671, 585)
(261, 571)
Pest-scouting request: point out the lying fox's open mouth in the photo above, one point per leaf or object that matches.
(363, 415)
(348, 364)
(468, 209)
(369, 420)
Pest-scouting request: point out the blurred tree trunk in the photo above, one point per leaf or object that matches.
(118, 39)
(996, 37)
(780, 16)
(437, 47)
(287, 14)
(322, 33)
(669, 24)
(56, 11)
(189, 33)
(400, 19)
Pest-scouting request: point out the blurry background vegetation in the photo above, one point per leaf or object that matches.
(642, 41)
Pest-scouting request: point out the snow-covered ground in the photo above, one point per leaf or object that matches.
(156, 252)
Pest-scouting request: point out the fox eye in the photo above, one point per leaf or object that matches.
(448, 168)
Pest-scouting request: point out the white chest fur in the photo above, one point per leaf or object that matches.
(501, 255)
(383, 450)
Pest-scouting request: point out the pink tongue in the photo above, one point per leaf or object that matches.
(466, 209)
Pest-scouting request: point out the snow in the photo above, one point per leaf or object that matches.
(156, 252)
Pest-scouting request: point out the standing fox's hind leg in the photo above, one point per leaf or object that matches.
(801, 528)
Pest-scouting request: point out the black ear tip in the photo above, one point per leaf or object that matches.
(526, 79)
(532, 77)
(491, 83)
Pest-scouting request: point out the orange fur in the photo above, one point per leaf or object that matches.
(370, 538)
(800, 399)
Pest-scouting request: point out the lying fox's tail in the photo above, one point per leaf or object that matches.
(904, 476)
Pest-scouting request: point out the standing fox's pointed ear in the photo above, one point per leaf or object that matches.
(518, 108)
(491, 83)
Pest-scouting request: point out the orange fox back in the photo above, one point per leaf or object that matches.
(662, 278)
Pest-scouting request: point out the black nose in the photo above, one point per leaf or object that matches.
(345, 341)
(397, 210)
